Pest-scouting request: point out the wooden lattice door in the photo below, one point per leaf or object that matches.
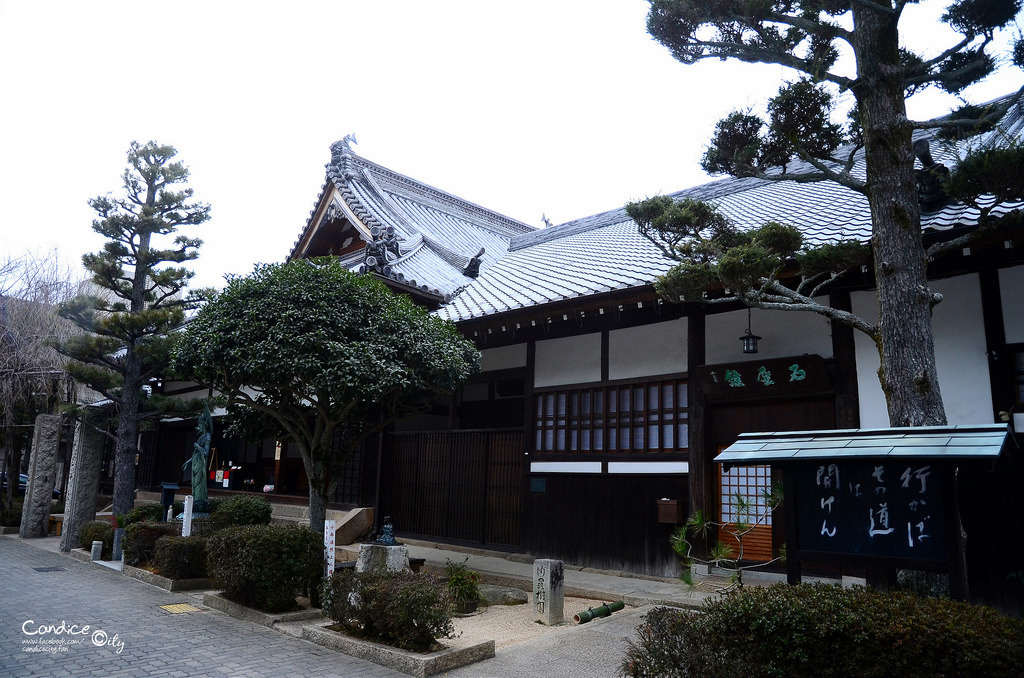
(756, 524)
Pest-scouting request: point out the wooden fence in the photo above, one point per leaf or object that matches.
(458, 485)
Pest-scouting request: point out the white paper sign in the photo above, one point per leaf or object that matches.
(329, 528)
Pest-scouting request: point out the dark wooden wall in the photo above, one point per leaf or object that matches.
(992, 511)
(460, 486)
(605, 521)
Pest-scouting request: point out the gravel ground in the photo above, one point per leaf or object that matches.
(511, 624)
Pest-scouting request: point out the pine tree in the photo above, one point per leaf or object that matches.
(837, 48)
(140, 301)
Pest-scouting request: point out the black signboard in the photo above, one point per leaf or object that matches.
(764, 378)
(871, 507)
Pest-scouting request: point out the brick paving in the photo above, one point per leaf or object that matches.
(155, 642)
(209, 643)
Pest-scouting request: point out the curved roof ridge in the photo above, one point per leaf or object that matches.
(469, 208)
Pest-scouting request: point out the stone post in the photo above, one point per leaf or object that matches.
(548, 591)
(84, 478)
(35, 513)
(186, 517)
(383, 557)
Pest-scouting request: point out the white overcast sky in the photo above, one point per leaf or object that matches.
(563, 107)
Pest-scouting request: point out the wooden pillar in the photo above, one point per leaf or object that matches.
(701, 468)
(844, 351)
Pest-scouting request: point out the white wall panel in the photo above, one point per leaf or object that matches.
(783, 334)
(571, 360)
(959, 355)
(647, 350)
(503, 358)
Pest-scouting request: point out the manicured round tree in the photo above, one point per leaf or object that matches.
(302, 349)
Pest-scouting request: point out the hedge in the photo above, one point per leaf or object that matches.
(242, 509)
(140, 540)
(181, 557)
(406, 610)
(265, 566)
(153, 513)
(97, 530)
(821, 631)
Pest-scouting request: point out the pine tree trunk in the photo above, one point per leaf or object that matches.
(906, 347)
(125, 450)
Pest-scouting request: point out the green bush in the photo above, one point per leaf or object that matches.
(243, 509)
(140, 540)
(181, 557)
(153, 513)
(824, 630)
(97, 530)
(265, 566)
(406, 610)
(11, 517)
(463, 583)
(213, 503)
(204, 527)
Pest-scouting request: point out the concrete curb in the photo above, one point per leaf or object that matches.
(413, 663)
(165, 583)
(268, 619)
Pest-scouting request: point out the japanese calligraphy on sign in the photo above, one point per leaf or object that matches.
(782, 376)
(871, 507)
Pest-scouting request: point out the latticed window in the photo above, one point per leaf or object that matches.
(646, 417)
(751, 482)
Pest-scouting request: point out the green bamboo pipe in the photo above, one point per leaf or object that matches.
(599, 611)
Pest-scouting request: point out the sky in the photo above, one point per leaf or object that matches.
(563, 108)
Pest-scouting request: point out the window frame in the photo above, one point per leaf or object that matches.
(568, 419)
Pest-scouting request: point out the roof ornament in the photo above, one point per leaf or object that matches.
(544, 218)
(380, 252)
(930, 178)
(342, 148)
(472, 269)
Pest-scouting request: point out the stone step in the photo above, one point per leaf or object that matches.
(291, 511)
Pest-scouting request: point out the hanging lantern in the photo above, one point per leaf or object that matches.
(749, 339)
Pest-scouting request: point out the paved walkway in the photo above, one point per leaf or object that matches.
(153, 641)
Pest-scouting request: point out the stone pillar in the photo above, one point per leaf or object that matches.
(35, 513)
(84, 478)
(381, 557)
(548, 591)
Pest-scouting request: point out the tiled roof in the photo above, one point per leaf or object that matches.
(605, 252)
(438, 233)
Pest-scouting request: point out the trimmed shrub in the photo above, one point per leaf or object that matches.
(824, 630)
(181, 557)
(406, 610)
(97, 530)
(11, 517)
(204, 527)
(140, 540)
(265, 566)
(243, 509)
(153, 513)
(213, 502)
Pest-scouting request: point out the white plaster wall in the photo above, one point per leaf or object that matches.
(959, 355)
(647, 350)
(572, 360)
(783, 334)
(1011, 290)
(503, 358)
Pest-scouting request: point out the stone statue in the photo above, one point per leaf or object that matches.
(200, 453)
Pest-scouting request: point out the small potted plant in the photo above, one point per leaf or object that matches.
(463, 583)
